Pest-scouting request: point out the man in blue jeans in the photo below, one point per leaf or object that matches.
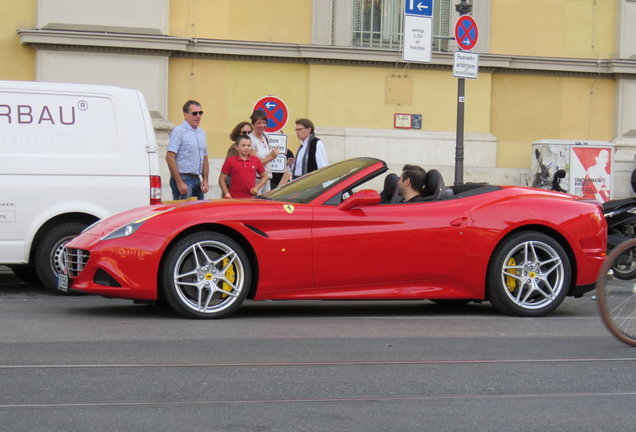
(187, 155)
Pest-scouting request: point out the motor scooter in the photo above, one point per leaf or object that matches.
(620, 216)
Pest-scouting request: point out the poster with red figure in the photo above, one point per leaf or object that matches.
(591, 172)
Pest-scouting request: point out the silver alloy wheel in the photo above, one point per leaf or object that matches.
(208, 277)
(533, 275)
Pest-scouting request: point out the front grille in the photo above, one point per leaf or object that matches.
(75, 261)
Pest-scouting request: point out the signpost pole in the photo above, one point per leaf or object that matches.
(459, 143)
(466, 34)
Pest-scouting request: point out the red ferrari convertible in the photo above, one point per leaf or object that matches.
(331, 235)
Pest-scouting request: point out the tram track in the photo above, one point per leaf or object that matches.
(361, 399)
(307, 382)
(316, 363)
(90, 364)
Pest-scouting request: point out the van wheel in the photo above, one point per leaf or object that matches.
(49, 258)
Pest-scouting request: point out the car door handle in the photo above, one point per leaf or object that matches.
(459, 221)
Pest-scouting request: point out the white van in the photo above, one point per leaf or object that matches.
(70, 154)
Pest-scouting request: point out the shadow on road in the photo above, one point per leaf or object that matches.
(13, 287)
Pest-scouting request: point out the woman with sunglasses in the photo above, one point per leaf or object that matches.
(243, 128)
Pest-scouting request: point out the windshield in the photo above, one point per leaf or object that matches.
(311, 185)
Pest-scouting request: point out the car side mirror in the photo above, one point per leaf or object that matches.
(366, 197)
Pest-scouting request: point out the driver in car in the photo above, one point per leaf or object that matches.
(411, 183)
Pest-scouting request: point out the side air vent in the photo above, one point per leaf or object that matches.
(257, 231)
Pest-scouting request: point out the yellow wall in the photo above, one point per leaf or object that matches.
(528, 108)
(554, 28)
(249, 20)
(330, 95)
(228, 91)
(18, 61)
(354, 96)
(517, 108)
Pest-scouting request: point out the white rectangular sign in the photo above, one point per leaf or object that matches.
(465, 65)
(418, 36)
(278, 141)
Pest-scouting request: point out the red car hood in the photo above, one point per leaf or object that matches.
(221, 208)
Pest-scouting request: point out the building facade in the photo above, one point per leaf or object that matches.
(548, 70)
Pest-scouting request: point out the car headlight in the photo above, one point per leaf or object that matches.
(125, 230)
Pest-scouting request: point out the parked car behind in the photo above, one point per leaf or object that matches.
(70, 154)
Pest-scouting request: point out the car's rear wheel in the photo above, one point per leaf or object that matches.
(529, 275)
(205, 275)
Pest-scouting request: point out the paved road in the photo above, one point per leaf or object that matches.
(86, 363)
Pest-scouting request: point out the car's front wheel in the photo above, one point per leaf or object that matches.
(529, 275)
(205, 275)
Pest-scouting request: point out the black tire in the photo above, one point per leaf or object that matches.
(522, 285)
(205, 275)
(624, 266)
(26, 272)
(49, 259)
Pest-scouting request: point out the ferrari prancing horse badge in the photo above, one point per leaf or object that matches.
(289, 208)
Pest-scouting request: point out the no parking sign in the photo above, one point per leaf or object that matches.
(466, 32)
(275, 110)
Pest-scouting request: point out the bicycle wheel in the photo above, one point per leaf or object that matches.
(617, 298)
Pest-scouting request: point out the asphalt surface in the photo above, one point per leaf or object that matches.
(86, 363)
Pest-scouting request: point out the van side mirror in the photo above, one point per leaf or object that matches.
(366, 197)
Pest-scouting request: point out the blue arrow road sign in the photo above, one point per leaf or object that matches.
(419, 7)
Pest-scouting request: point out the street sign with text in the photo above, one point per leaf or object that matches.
(418, 31)
(465, 64)
(417, 39)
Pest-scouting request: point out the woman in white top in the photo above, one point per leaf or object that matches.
(312, 154)
(260, 144)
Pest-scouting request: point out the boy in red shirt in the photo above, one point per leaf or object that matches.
(242, 170)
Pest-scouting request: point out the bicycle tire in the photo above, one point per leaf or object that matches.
(617, 299)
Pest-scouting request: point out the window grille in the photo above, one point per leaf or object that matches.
(378, 23)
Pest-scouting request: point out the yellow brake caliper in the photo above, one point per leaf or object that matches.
(511, 283)
(230, 275)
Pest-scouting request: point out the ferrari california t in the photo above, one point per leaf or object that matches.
(332, 235)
